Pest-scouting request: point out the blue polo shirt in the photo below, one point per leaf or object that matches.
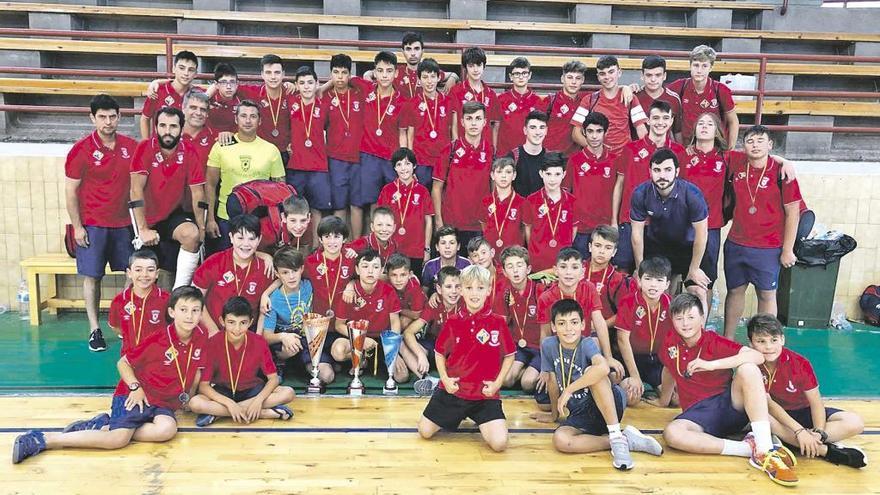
(670, 219)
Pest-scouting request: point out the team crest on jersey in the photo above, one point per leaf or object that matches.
(334, 102)
(197, 353)
(371, 97)
(390, 109)
(718, 166)
(607, 172)
(97, 155)
(492, 208)
(512, 215)
(511, 107)
(443, 111)
(204, 141)
(694, 162)
(130, 308)
(356, 106)
(790, 388)
(542, 210)
(265, 103)
(564, 216)
(468, 96)
(317, 111)
(180, 158)
(169, 100)
(124, 152)
(154, 316)
(170, 355)
(482, 336)
(640, 312)
(585, 167)
(228, 277)
(459, 152)
(599, 286)
(643, 153)
(416, 198)
(245, 162)
(344, 272)
(563, 109)
(423, 106)
(672, 351)
(379, 305)
(482, 156)
(533, 310)
(396, 196)
(713, 103)
(295, 107)
(252, 288)
(764, 182)
(493, 338)
(662, 316)
(405, 79)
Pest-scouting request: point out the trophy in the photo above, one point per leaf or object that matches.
(315, 327)
(357, 335)
(390, 347)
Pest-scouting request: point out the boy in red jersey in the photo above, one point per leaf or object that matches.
(169, 93)
(273, 97)
(474, 353)
(413, 208)
(297, 218)
(96, 186)
(797, 413)
(514, 105)
(721, 392)
(236, 271)
(503, 209)
(473, 89)
(428, 118)
(327, 268)
(307, 170)
(408, 80)
(157, 378)
(380, 238)
(240, 394)
(653, 77)
(409, 290)
(610, 283)
(462, 176)
(549, 219)
(561, 107)
(224, 98)
(137, 311)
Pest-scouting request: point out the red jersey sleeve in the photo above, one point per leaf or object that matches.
(625, 315)
(637, 113)
(205, 273)
(267, 362)
(417, 298)
(74, 165)
(116, 307)
(361, 84)
(791, 192)
(724, 348)
(196, 172)
(806, 377)
(506, 339)
(138, 162)
(593, 297)
(342, 309)
(441, 171)
(443, 345)
(725, 98)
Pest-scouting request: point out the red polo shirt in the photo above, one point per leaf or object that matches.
(410, 204)
(474, 346)
(591, 180)
(463, 92)
(619, 116)
(221, 114)
(521, 311)
(371, 241)
(244, 363)
(138, 318)
(407, 81)
(431, 120)
(585, 294)
(793, 377)
(105, 180)
(436, 317)
(202, 144)
(168, 177)
(634, 163)
(706, 171)
(383, 115)
(328, 277)
(274, 114)
(561, 108)
(166, 96)
(513, 108)
(611, 286)
(502, 220)
(411, 297)
(676, 355)
(307, 145)
(375, 307)
(346, 124)
(635, 317)
(223, 279)
(550, 221)
(716, 98)
(645, 100)
(464, 169)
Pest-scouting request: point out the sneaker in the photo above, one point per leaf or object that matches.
(846, 456)
(95, 423)
(639, 442)
(28, 445)
(786, 455)
(96, 341)
(620, 456)
(775, 467)
(204, 420)
(425, 386)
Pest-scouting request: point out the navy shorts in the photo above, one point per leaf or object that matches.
(345, 177)
(624, 259)
(709, 265)
(312, 185)
(528, 356)
(448, 411)
(716, 415)
(239, 395)
(424, 174)
(587, 418)
(428, 344)
(106, 244)
(582, 244)
(758, 266)
(375, 173)
(650, 369)
(805, 418)
(134, 419)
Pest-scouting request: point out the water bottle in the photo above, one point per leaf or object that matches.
(24, 300)
(838, 318)
(713, 323)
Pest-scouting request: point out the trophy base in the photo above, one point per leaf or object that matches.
(356, 391)
(314, 390)
(389, 391)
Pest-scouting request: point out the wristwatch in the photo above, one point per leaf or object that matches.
(133, 386)
(823, 437)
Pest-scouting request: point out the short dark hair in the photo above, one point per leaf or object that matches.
(271, 59)
(536, 115)
(518, 63)
(396, 261)
(187, 293)
(597, 118)
(476, 243)
(606, 61)
(176, 112)
(400, 154)
(332, 225)
(385, 56)
(653, 61)
(515, 252)
(663, 154)
(473, 55)
(143, 254)
(428, 65)
(682, 303)
(553, 159)
(368, 254)
(224, 69)
(444, 231)
(303, 71)
(446, 272)
(237, 306)
(574, 66)
(295, 205)
(103, 102)
(186, 55)
(568, 254)
(756, 130)
(606, 232)
(764, 324)
(245, 223)
(340, 60)
(247, 103)
(473, 107)
(655, 266)
(564, 307)
(661, 105)
(288, 257)
(382, 210)
(411, 37)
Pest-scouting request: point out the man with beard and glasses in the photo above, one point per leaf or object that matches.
(678, 226)
(162, 168)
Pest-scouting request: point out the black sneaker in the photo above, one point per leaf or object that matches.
(846, 456)
(96, 341)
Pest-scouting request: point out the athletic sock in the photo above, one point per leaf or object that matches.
(735, 448)
(763, 441)
(614, 431)
(186, 265)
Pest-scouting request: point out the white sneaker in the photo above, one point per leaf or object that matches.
(639, 442)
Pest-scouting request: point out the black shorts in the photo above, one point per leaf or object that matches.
(448, 411)
(239, 395)
(166, 227)
(650, 369)
(805, 417)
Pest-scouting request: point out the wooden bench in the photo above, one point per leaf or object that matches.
(52, 265)
(663, 4)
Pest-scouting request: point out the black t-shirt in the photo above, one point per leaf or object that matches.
(527, 180)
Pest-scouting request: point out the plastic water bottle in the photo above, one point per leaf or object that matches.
(713, 323)
(24, 300)
(838, 318)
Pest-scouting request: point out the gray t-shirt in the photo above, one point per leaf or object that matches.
(551, 362)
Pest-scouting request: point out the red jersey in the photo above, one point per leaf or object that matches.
(412, 298)
(619, 116)
(302, 243)
(561, 108)
(759, 223)
(137, 318)
(431, 120)
(553, 225)
(274, 114)
(166, 96)
(462, 93)
(104, 179)
(375, 307)
(168, 177)
(521, 310)
(407, 81)
(410, 204)
(611, 286)
(242, 364)
(382, 120)
(221, 114)
(585, 294)
(160, 361)
(716, 98)
(591, 180)
(474, 346)
(223, 279)
(513, 108)
(202, 144)
(345, 129)
(646, 100)
(435, 318)
(328, 277)
(634, 164)
(307, 146)
(707, 172)
(464, 169)
(676, 355)
(502, 221)
(647, 329)
(371, 241)
(790, 380)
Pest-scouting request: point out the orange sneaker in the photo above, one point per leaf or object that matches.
(773, 464)
(785, 454)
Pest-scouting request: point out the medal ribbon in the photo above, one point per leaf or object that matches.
(652, 328)
(181, 376)
(567, 381)
(525, 318)
(331, 294)
(602, 280)
(140, 325)
(235, 274)
(345, 115)
(302, 111)
(428, 110)
(771, 376)
(754, 196)
(553, 225)
(677, 368)
(275, 113)
(380, 115)
(234, 381)
(500, 228)
(402, 210)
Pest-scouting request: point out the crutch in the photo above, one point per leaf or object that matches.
(204, 206)
(136, 242)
